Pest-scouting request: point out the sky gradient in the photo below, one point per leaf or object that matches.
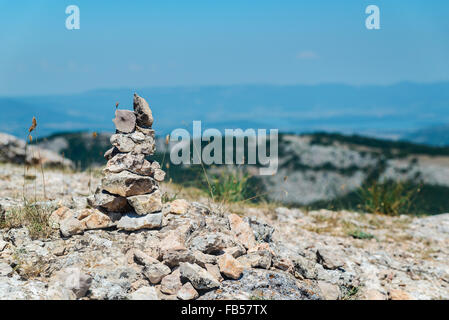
(188, 43)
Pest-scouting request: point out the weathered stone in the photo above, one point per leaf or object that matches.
(144, 293)
(203, 259)
(96, 220)
(210, 242)
(179, 206)
(329, 291)
(200, 278)
(214, 270)
(146, 131)
(134, 163)
(72, 279)
(71, 226)
(329, 259)
(148, 203)
(187, 292)
(156, 271)
(242, 231)
(262, 231)
(108, 202)
(5, 270)
(59, 215)
(159, 175)
(132, 222)
(236, 251)
(122, 142)
(127, 184)
(230, 267)
(172, 283)
(142, 258)
(396, 294)
(373, 294)
(125, 121)
(143, 112)
(110, 153)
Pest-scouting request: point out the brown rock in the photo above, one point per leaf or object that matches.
(60, 214)
(214, 270)
(143, 112)
(187, 292)
(127, 184)
(109, 202)
(397, 294)
(329, 291)
(179, 206)
(148, 203)
(171, 284)
(96, 220)
(242, 231)
(134, 163)
(230, 267)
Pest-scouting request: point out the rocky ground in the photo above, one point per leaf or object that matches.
(207, 250)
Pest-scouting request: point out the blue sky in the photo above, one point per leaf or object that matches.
(185, 43)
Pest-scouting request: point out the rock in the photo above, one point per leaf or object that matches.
(396, 294)
(122, 142)
(96, 220)
(214, 270)
(148, 203)
(110, 153)
(230, 267)
(203, 259)
(259, 259)
(200, 278)
(187, 292)
(72, 279)
(71, 226)
(242, 231)
(5, 270)
(12, 150)
(173, 258)
(109, 202)
(373, 294)
(236, 251)
(134, 163)
(144, 293)
(145, 131)
(59, 215)
(263, 232)
(3, 245)
(329, 259)
(156, 271)
(132, 222)
(210, 243)
(262, 284)
(125, 121)
(143, 112)
(127, 184)
(329, 291)
(142, 258)
(171, 284)
(179, 206)
(159, 175)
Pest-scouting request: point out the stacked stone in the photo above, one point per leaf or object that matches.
(129, 191)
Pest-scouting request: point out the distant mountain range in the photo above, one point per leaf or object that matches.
(410, 111)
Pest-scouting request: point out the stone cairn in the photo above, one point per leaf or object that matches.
(129, 193)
